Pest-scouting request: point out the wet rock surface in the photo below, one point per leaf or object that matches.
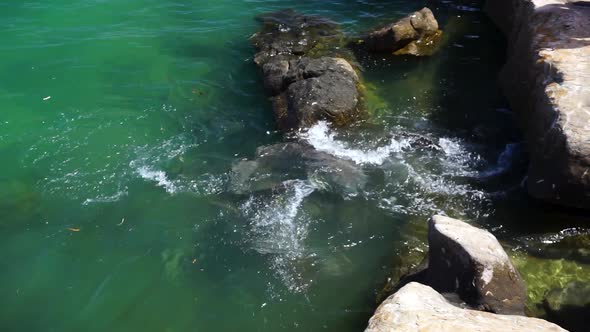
(545, 79)
(470, 262)
(416, 34)
(417, 307)
(322, 169)
(288, 34)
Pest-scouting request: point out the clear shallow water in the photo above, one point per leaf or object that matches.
(121, 121)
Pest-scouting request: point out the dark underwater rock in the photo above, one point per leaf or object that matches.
(471, 262)
(416, 34)
(304, 70)
(570, 306)
(569, 244)
(272, 163)
(287, 34)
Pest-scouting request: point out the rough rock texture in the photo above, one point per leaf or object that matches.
(570, 306)
(416, 307)
(313, 90)
(470, 262)
(304, 72)
(322, 169)
(546, 81)
(415, 34)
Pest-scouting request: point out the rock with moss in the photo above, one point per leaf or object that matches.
(288, 34)
(415, 34)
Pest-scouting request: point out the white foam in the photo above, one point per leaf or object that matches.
(159, 177)
(323, 139)
(278, 228)
(105, 199)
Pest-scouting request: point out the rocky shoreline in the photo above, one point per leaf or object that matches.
(467, 282)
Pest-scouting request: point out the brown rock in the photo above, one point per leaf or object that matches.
(396, 36)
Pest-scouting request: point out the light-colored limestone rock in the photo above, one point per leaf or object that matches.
(546, 80)
(471, 262)
(419, 308)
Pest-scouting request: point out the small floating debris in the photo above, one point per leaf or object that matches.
(73, 229)
(46, 98)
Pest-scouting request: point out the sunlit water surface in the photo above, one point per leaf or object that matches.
(121, 121)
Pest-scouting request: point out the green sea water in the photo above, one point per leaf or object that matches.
(120, 122)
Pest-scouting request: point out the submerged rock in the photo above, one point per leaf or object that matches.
(471, 262)
(569, 244)
(271, 164)
(287, 34)
(417, 307)
(304, 70)
(416, 34)
(546, 82)
(570, 306)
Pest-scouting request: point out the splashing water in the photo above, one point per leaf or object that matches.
(322, 139)
(278, 228)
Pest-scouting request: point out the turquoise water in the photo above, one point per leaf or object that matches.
(121, 121)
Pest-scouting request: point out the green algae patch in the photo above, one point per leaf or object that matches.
(543, 275)
(373, 104)
(425, 46)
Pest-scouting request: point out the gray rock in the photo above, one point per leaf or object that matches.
(393, 37)
(570, 306)
(308, 90)
(546, 82)
(417, 307)
(471, 262)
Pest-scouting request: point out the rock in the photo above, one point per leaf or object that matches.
(311, 90)
(470, 261)
(546, 82)
(409, 35)
(304, 71)
(570, 306)
(299, 160)
(417, 307)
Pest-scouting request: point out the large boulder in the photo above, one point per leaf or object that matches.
(415, 34)
(470, 262)
(546, 82)
(417, 307)
(304, 70)
(314, 90)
